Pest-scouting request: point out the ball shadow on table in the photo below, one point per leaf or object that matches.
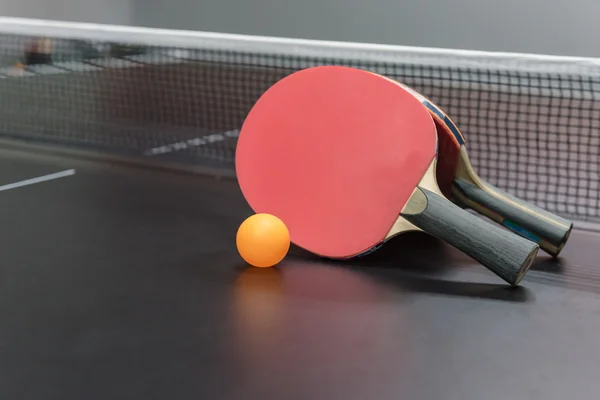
(420, 263)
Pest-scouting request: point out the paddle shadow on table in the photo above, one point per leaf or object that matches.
(416, 262)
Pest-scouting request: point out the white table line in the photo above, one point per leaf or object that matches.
(39, 179)
(193, 142)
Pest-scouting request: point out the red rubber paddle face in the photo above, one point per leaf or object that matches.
(335, 153)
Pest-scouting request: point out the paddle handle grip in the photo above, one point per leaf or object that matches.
(550, 231)
(507, 255)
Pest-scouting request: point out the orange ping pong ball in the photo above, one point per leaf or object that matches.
(263, 240)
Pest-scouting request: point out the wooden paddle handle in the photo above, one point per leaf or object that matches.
(507, 255)
(550, 231)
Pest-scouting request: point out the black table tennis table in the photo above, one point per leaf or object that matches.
(123, 281)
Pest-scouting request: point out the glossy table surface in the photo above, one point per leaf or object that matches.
(119, 282)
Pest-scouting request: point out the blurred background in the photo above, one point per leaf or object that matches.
(532, 123)
(558, 27)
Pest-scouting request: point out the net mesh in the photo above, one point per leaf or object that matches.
(531, 123)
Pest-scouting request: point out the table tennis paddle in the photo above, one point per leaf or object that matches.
(459, 181)
(346, 159)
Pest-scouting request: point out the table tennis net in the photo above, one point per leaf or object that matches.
(531, 122)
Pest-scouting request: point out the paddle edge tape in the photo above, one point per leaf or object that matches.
(438, 114)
